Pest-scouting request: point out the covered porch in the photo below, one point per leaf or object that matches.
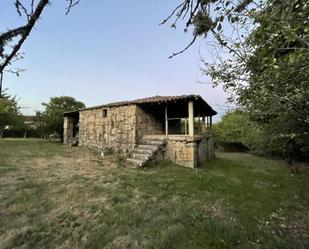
(183, 125)
(180, 117)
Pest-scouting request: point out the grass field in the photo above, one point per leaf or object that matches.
(52, 196)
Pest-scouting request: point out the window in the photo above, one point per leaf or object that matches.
(104, 113)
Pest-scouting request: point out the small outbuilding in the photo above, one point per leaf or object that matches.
(176, 128)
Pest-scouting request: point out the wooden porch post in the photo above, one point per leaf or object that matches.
(166, 121)
(191, 118)
(210, 122)
(203, 124)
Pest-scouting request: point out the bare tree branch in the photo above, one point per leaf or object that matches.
(19, 35)
(188, 46)
(20, 7)
(72, 3)
(12, 33)
(172, 13)
(23, 32)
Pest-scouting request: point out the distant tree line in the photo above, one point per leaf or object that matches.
(44, 124)
(238, 132)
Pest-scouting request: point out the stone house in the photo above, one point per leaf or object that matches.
(176, 128)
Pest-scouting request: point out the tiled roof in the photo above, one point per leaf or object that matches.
(155, 100)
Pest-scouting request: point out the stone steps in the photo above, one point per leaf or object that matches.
(135, 162)
(147, 147)
(137, 150)
(145, 152)
(141, 156)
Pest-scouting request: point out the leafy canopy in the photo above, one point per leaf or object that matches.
(54, 109)
(236, 130)
(267, 71)
(9, 110)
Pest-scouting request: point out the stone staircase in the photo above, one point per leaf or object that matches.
(146, 151)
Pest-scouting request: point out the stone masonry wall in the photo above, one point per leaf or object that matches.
(67, 130)
(125, 126)
(115, 131)
(186, 150)
(146, 124)
(181, 150)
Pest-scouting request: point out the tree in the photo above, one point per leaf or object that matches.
(53, 113)
(278, 91)
(9, 112)
(12, 39)
(236, 131)
(41, 125)
(268, 68)
(272, 83)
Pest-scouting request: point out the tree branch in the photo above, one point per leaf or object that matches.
(72, 3)
(188, 46)
(23, 31)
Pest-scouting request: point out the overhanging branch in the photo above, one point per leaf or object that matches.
(23, 31)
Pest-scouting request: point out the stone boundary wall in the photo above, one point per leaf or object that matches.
(115, 132)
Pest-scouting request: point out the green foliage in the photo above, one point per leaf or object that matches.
(9, 112)
(51, 118)
(268, 76)
(267, 71)
(236, 131)
(29, 126)
(278, 91)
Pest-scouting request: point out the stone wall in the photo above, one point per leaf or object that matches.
(147, 124)
(122, 128)
(181, 151)
(115, 131)
(68, 127)
(187, 150)
(125, 126)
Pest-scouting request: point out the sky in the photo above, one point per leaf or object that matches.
(106, 51)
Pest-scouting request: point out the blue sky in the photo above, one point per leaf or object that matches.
(106, 51)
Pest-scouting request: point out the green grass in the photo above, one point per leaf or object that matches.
(53, 196)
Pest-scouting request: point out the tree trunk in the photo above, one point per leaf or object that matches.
(1, 132)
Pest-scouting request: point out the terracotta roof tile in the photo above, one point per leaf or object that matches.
(155, 100)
